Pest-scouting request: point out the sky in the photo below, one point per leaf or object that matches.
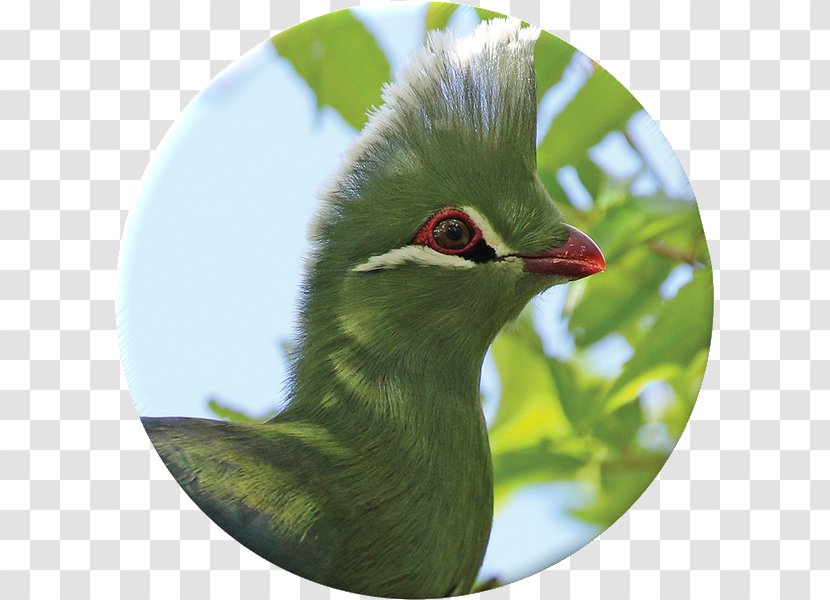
(214, 246)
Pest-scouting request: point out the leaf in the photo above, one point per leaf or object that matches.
(341, 62)
(636, 221)
(622, 481)
(611, 193)
(567, 388)
(484, 586)
(620, 427)
(591, 176)
(579, 396)
(551, 57)
(531, 438)
(662, 232)
(602, 105)
(231, 414)
(686, 385)
(554, 189)
(542, 462)
(439, 14)
(529, 408)
(619, 295)
(285, 348)
(486, 14)
(682, 330)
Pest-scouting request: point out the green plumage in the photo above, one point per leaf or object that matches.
(377, 477)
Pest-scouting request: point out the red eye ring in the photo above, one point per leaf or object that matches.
(425, 236)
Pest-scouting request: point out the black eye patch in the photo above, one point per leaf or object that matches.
(480, 253)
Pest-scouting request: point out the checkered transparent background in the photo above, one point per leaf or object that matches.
(742, 91)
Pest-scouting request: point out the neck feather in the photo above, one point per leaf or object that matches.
(409, 410)
(390, 369)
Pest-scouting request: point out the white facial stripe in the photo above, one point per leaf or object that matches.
(426, 256)
(490, 236)
(420, 255)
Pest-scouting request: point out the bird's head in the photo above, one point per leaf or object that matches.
(437, 229)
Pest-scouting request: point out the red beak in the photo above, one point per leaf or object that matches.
(575, 259)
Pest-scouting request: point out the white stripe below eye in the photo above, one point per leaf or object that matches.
(426, 256)
(420, 255)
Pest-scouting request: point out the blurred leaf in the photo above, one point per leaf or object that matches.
(567, 387)
(634, 329)
(686, 385)
(602, 105)
(541, 462)
(620, 427)
(486, 14)
(622, 481)
(579, 396)
(633, 221)
(286, 348)
(531, 437)
(552, 56)
(231, 414)
(682, 330)
(591, 176)
(648, 142)
(684, 241)
(529, 408)
(341, 62)
(618, 295)
(484, 586)
(555, 190)
(659, 205)
(438, 15)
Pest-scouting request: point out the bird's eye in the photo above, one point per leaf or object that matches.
(449, 231)
(452, 234)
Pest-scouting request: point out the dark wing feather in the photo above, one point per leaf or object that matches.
(257, 485)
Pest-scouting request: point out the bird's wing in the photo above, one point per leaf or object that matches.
(257, 484)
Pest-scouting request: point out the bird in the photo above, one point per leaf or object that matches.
(433, 234)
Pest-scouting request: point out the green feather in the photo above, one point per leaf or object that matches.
(377, 478)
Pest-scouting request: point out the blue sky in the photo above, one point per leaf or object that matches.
(214, 248)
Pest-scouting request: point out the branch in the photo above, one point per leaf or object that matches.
(674, 254)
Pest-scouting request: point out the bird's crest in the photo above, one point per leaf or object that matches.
(484, 78)
(469, 95)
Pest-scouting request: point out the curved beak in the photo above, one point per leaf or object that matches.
(575, 259)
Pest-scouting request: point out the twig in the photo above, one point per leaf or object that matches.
(489, 584)
(674, 254)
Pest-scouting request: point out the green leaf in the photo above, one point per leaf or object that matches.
(637, 221)
(591, 176)
(231, 414)
(285, 348)
(686, 386)
(611, 193)
(486, 14)
(619, 428)
(486, 585)
(618, 295)
(602, 105)
(530, 416)
(682, 330)
(542, 462)
(529, 408)
(551, 57)
(555, 190)
(579, 396)
(622, 481)
(438, 15)
(567, 387)
(341, 62)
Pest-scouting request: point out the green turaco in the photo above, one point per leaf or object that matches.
(434, 234)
